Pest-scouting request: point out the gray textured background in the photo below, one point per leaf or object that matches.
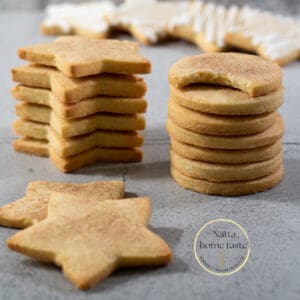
(280, 6)
(271, 219)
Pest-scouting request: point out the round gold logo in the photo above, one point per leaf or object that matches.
(222, 247)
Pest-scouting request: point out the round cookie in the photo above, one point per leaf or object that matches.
(219, 125)
(267, 137)
(237, 188)
(249, 73)
(227, 156)
(224, 172)
(225, 101)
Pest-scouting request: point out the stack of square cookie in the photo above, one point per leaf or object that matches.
(224, 125)
(81, 102)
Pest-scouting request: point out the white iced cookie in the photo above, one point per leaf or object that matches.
(272, 36)
(86, 19)
(146, 20)
(204, 24)
(212, 27)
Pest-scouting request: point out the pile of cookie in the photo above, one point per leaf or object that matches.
(215, 28)
(81, 102)
(212, 27)
(87, 229)
(224, 125)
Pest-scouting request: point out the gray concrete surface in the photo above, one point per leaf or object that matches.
(270, 218)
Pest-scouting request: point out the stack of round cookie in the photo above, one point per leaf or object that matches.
(224, 125)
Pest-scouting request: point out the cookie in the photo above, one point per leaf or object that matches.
(145, 20)
(85, 19)
(32, 146)
(66, 147)
(85, 125)
(97, 238)
(227, 156)
(82, 108)
(71, 90)
(224, 172)
(274, 37)
(75, 162)
(33, 207)
(217, 124)
(248, 73)
(77, 56)
(235, 188)
(180, 25)
(204, 24)
(225, 101)
(267, 137)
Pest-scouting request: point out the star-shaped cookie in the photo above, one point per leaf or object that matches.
(90, 239)
(72, 90)
(145, 20)
(33, 208)
(77, 56)
(84, 19)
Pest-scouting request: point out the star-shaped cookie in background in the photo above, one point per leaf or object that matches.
(33, 207)
(272, 36)
(78, 56)
(145, 20)
(84, 19)
(91, 239)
